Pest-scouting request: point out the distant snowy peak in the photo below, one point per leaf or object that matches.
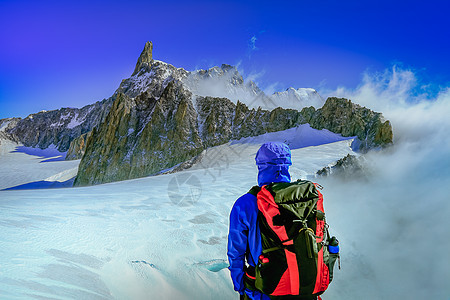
(226, 82)
(298, 98)
(152, 77)
(56, 127)
(149, 76)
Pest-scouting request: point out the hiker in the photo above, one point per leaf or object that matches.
(253, 223)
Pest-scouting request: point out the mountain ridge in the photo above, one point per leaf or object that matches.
(162, 116)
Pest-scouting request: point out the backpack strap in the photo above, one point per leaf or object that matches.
(254, 190)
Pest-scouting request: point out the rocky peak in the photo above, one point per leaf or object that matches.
(141, 136)
(145, 59)
(153, 77)
(342, 116)
(350, 167)
(58, 127)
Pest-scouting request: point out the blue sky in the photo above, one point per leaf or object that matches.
(68, 54)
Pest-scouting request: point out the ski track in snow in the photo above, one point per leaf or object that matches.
(134, 239)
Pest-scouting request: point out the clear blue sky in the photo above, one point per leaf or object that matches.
(68, 54)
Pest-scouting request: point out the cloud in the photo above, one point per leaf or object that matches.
(394, 93)
(254, 76)
(394, 228)
(252, 46)
(252, 43)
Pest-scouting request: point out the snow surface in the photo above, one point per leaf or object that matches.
(164, 237)
(4, 125)
(297, 137)
(298, 98)
(161, 237)
(20, 165)
(75, 121)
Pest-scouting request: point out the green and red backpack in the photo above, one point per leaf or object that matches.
(295, 259)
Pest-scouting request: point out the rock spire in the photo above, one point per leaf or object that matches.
(145, 59)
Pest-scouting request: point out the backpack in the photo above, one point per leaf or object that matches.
(295, 259)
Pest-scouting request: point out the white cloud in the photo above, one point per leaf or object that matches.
(252, 43)
(394, 228)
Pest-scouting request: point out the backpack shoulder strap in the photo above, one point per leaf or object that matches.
(254, 190)
(320, 202)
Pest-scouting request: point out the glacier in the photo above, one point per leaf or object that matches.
(164, 237)
(155, 237)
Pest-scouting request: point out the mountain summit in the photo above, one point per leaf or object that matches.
(145, 59)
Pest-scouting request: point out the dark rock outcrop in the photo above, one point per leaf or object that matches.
(77, 147)
(7, 125)
(349, 167)
(220, 120)
(61, 127)
(58, 127)
(340, 115)
(142, 136)
(145, 59)
(148, 135)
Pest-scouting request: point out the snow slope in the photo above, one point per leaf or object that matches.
(20, 165)
(161, 237)
(298, 98)
(164, 237)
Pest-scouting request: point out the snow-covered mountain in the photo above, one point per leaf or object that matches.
(298, 98)
(226, 82)
(57, 128)
(60, 127)
(163, 116)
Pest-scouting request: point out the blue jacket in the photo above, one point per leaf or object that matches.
(244, 239)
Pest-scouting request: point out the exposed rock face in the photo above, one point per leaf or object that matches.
(5, 126)
(147, 135)
(145, 59)
(58, 127)
(340, 115)
(349, 167)
(77, 147)
(152, 77)
(142, 136)
(61, 127)
(220, 120)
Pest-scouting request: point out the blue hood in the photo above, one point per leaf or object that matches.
(273, 160)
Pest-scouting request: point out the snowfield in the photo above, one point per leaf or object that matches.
(17, 167)
(165, 237)
(161, 237)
